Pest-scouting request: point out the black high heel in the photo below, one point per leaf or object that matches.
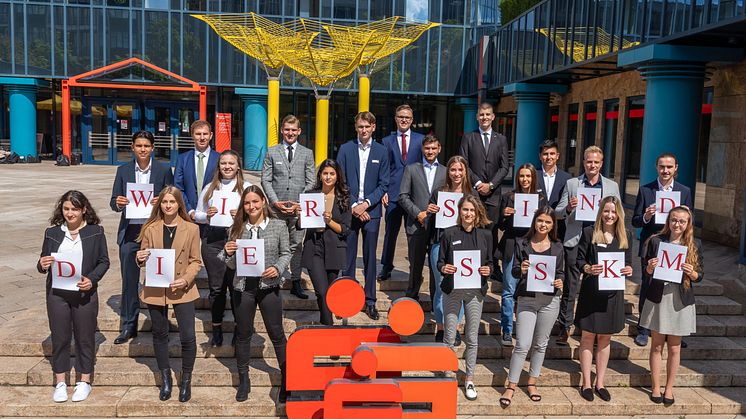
(167, 385)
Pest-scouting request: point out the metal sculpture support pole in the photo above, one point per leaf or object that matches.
(363, 97)
(322, 129)
(273, 110)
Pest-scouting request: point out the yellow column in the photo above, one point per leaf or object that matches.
(363, 96)
(273, 110)
(322, 128)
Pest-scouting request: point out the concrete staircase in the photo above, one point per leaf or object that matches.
(711, 381)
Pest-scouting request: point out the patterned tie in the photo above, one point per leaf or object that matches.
(290, 154)
(254, 232)
(486, 142)
(200, 171)
(404, 147)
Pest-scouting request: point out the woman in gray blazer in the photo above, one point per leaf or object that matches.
(255, 220)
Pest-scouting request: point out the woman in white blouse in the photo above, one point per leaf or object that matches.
(228, 178)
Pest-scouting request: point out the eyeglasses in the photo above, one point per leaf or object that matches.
(682, 222)
(404, 118)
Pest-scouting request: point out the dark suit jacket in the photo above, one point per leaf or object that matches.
(95, 253)
(377, 173)
(414, 195)
(560, 179)
(655, 290)
(333, 244)
(456, 238)
(397, 164)
(489, 167)
(160, 176)
(522, 249)
(510, 233)
(185, 176)
(645, 198)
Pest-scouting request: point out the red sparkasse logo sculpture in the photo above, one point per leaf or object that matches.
(356, 371)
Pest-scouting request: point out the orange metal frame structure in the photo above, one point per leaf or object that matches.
(75, 81)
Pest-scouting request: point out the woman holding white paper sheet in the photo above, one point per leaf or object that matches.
(670, 312)
(457, 181)
(325, 249)
(75, 228)
(537, 311)
(169, 227)
(228, 178)
(600, 313)
(255, 220)
(468, 234)
(525, 183)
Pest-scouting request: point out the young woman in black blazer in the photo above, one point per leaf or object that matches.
(600, 314)
(670, 312)
(325, 249)
(75, 228)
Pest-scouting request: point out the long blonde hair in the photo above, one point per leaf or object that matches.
(218, 176)
(157, 213)
(619, 231)
(687, 239)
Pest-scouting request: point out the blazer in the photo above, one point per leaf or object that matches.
(645, 198)
(276, 253)
(377, 173)
(510, 233)
(334, 245)
(188, 262)
(655, 289)
(414, 195)
(574, 227)
(283, 180)
(560, 179)
(160, 177)
(588, 254)
(456, 238)
(521, 251)
(397, 164)
(490, 167)
(95, 253)
(185, 175)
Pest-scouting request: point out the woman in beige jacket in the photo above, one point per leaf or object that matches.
(169, 227)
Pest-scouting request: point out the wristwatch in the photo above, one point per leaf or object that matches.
(492, 187)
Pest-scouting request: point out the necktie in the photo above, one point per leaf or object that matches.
(486, 142)
(200, 171)
(254, 232)
(404, 147)
(290, 154)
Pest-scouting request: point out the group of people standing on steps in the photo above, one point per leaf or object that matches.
(403, 175)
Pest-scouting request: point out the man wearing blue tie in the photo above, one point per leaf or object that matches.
(404, 147)
(195, 168)
(365, 164)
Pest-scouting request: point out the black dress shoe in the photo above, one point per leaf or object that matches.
(684, 345)
(185, 390)
(384, 276)
(217, 336)
(371, 312)
(439, 336)
(282, 397)
(603, 393)
(167, 385)
(668, 402)
(244, 387)
(125, 336)
(457, 341)
(656, 399)
(587, 393)
(297, 291)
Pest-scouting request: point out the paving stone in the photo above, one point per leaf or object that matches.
(37, 401)
(723, 400)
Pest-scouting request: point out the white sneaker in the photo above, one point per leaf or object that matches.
(60, 393)
(471, 391)
(82, 390)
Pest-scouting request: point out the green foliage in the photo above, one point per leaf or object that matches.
(511, 9)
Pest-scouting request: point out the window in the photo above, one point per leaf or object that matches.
(633, 147)
(589, 124)
(572, 135)
(609, 131)
(553, 130)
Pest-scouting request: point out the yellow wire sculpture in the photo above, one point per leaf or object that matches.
(605, 43)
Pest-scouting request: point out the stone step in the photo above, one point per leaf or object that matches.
(219, 401)
(222, 372)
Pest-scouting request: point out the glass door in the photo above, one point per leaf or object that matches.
(126, 121)
(96, 129)
(170, 123)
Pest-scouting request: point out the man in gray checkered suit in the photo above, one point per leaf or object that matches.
(289, 170)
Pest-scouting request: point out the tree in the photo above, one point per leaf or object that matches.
(511, 9)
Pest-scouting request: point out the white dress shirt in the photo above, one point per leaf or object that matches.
(293, 146)
(430, 170)
(200, 213)
(254, 229)
(68, 243)
(363, 152)
(398, 140)
(667, 188)
(549, 180)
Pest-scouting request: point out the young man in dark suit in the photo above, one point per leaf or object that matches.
(644, 218)
(551, 178)
(404, 148)
(142, 169)
(419, 182)
(365, 164)
(195, 168)
(487, 154)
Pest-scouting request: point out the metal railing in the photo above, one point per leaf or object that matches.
(99, 140)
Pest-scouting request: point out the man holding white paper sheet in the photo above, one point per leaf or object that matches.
(567, 209)
(670, 312)
(142, 170)
(517, 209)
(651, 201)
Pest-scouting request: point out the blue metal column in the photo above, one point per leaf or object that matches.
(254, 126)
(22, 103)
(532, 118)
(469, 107)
